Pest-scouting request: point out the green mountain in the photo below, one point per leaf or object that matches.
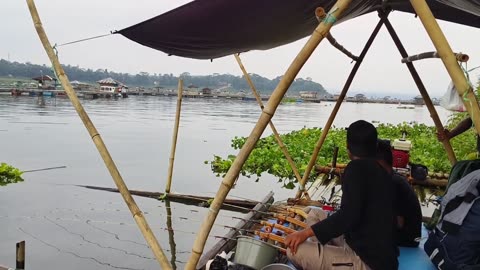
(144, 79)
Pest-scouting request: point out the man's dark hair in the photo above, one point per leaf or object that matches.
(362, 139)
(384, 151)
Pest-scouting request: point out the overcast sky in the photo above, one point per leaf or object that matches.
(381, 72)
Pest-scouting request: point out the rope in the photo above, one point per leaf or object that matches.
(330, 18)
(84, 39)
(465, 94)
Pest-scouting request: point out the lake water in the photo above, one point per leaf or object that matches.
(70, 227)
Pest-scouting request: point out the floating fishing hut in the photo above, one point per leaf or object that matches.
(193, 31)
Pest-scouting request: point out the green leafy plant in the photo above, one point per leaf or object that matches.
(267, 156)
(9, 174)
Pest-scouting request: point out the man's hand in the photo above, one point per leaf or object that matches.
(445, 135)
(292, 241)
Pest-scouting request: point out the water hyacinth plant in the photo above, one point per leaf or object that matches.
(267, 156)
(9, 174)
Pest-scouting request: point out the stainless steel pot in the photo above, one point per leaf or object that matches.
(278, 266)
(254, 253)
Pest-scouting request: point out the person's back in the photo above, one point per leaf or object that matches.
(373, 237)
(408, 209)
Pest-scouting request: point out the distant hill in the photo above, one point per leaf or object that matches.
(144, 79)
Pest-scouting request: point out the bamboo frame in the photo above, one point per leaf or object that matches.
(102, 149)
(423, 92)
(320, 15)
(272, 126)
(340, 99)
(448, 58)
(461, 57)
(174, 137)
(317, 36)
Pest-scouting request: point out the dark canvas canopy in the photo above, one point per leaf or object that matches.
(207, 29)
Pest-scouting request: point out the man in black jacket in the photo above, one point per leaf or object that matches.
(366, 218)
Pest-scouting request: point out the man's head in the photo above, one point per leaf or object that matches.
(384, 152)
(362, 140)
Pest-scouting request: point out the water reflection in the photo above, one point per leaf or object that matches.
(171, 235)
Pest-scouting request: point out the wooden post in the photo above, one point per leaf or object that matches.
(102, 149)
(334, 112)
(449, 60)
(272, 126)
(317, 36)
(174, 137)
(423, 92)
(20, 255)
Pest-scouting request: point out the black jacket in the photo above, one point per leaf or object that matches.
(366, 217)
(407, 206)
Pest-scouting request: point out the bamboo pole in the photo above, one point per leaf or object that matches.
(174, 137)
(20, 255)
(461, 57)
(272, 126)
(102, 149)
(423, 92)
(320, 14)
(317, 36)
(334, 112)
(449, 60)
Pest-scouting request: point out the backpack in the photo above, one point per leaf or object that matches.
(458, 171)
(454, 244)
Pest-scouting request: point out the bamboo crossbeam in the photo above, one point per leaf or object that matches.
(320, 15)
(423, 92)
(270, 236)
(431, 181)
(317, 36)
(277, 226)
(449, 60)
(102, 149)
(461, 57)
(334, 112)
(174, 137)
(272, 126)
(297, 211)
(289, 219)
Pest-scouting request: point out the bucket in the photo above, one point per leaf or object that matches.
(254, 253)
(278, 266)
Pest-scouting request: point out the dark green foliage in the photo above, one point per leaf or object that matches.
(264, 85)
(9, 174)
(267, 157)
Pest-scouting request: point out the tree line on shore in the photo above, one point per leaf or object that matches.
(145, 79)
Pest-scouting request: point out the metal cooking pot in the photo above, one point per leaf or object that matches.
(254, 253)
(278, 266)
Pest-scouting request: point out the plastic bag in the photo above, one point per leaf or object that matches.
(452, 100)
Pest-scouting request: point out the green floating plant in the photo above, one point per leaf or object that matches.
(267, 156)
(9, 174)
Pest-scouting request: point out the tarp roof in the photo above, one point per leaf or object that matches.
(207, 29)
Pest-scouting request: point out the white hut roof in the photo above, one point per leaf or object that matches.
(108, 81)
